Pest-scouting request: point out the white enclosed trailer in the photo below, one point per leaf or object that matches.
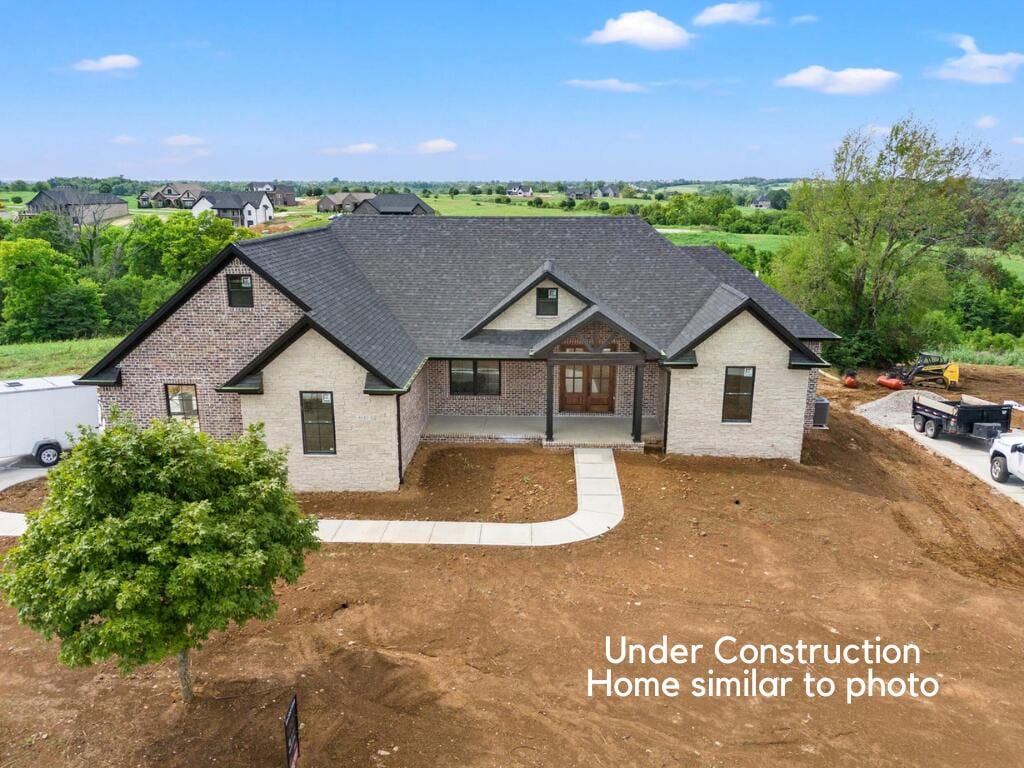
(36, 416)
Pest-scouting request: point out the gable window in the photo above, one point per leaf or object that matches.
(547, 302)
(317, 422)
(182, 402)
(239, 290)
(474, 377)
(738, 402)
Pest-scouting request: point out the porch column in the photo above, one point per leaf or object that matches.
(638, 402)
(550, 423)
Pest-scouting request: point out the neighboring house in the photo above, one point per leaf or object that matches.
(354, 342)
(393, 205)
(609, 191)
(171, 195)
(342, 202)
(519, 190)
(578, 193)
(761, 202)
(79, 205)
(280, 194)
(245, 209)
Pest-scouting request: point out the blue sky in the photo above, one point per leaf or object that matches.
(476, 90)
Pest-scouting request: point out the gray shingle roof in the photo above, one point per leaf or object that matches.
(75, 196)
(398, 203)
(398, 289)
(233, 201)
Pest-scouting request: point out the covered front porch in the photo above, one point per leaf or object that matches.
(568, 431)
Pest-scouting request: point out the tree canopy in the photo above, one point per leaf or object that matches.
(153, 538)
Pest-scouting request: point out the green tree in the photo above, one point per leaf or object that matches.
(880, 230)
(153, 538)
(191, 241)
(44, 300)
(779, 198)
(46, 226)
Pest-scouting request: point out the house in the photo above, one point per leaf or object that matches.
(607, 191)
(761, 201)
(577, 193)
(342, 202)
(280, 195)
(519, 190)
(393, 205)
(353, 343)
(79, 205)
(245, 209)
(171, 195)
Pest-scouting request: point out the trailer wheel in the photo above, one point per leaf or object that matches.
(47, 455)
(998, 467)
(932, 428)
(919, 422)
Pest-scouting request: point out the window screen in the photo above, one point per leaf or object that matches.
(475, 377)
(317, 422)
(738, 402)
(239, 290)
(547, 302)
(182, 402)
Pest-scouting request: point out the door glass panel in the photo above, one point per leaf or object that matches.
(599, 378)
(573, 379)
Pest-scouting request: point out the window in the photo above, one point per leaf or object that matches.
(317, 422)
(474, 377)
(739, 394)
(239, 290)
(182, 402)
(547, 302)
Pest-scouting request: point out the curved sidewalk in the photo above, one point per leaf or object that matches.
(598, 510)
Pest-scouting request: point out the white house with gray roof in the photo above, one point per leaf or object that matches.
(244, 209)
(355, 342)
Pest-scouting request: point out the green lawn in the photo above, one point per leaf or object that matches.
(52, 358)
(9, 205)
(712, 236)
(1013, 264)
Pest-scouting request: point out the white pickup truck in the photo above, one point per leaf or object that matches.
(1006, 456)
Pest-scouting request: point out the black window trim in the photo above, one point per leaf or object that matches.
(476, 378)
(302, 423)
(252, 289)
(167, 397)
(538, 300)
(753, 381)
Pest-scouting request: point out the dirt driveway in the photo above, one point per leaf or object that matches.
(424, 656)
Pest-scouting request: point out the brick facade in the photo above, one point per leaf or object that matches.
(204, 342)
(414, 408)
(812, 387)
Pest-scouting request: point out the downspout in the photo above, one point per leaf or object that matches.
(398, 429)
(668, 394)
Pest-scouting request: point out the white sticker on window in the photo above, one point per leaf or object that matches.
(326, 398)
(246, 281)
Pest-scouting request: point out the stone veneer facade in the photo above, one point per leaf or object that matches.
(204, 342)
(414, 409)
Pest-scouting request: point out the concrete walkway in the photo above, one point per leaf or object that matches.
(598, 510)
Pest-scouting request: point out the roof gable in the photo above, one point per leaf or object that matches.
(594, 313)
(546, 271)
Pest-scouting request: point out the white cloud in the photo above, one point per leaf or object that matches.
(805, 18)
(107, 63)
(183, 140)
(986, 121)
(435, 146)
(124, 139)
(363, 148)
(609, 84)
(1017, 140)
(878, 130)
(977, 67)
(645, 29)
(851, 81)
(730, 13)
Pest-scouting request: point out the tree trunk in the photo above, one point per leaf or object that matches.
(185, 676)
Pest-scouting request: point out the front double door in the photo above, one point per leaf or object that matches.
(586, 388)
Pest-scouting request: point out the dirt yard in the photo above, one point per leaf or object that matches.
(420, 656)
(480, 483)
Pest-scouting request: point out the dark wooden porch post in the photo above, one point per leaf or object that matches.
(638, 402)
(550, 426)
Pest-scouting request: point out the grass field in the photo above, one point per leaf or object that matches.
(11, 206)
(52, 358)
(712, 236)
(1013, 264)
